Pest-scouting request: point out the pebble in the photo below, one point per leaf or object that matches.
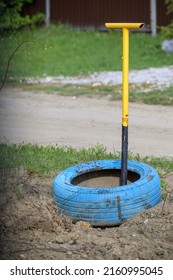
(167, 46)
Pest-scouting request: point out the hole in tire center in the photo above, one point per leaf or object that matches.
(107, 178)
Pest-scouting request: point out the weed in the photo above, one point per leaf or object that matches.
(18, 192)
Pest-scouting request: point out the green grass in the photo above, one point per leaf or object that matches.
(46, 161)
(153, 97)
(138, 93)
(73, 52)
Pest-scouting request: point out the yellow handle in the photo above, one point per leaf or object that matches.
(125, 77)
(125, 92)
(125, 25)
(125, 83)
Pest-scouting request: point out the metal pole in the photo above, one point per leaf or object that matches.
(153, 17)
(47, 12)
(125, 99)
(125, 92)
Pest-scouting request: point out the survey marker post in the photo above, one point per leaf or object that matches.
(125, 91)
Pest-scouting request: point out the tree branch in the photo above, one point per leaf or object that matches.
(11, 56)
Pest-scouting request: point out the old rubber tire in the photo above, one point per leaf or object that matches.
(106, 206)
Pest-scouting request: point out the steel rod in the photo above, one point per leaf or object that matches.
(125, 100)
(125, 93)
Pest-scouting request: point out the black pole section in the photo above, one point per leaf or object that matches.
(124, 156)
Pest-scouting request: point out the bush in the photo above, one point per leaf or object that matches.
(167, 31)
(11, 18)
(169, 4)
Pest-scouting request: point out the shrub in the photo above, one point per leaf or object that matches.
(11, 18)
(167, 31)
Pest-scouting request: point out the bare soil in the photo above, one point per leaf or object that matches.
(30, 226)
(47, 119)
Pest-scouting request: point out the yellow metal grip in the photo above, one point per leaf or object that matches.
(125, 57)
(124, 25)
(125, 77)
(125, 92)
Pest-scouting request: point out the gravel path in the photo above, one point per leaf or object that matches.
(157, 76)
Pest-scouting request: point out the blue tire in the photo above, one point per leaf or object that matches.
(106, 206)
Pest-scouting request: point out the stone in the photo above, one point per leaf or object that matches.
(167, 46)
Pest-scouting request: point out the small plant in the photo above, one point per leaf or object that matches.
(12, 179)
(167, 31)
(18, 192)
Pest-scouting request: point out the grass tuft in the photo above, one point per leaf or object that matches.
(45, 161)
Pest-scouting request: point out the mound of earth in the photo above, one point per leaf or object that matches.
(31, 228)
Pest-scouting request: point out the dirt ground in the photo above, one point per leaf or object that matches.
(30, 117)
(30, 227)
